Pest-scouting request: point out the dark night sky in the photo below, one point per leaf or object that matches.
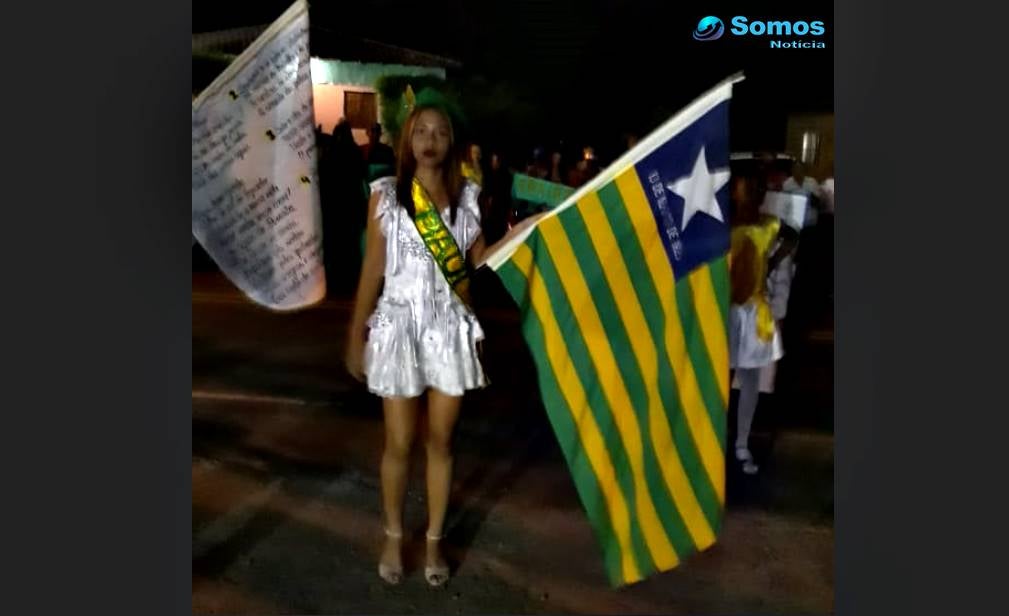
(593, 66)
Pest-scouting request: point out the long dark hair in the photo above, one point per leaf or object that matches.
(406, 165)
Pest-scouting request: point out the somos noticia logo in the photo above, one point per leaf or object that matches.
(711, 28)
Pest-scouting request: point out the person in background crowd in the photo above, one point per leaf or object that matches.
(472, 165)
(814, 272)
(556, 173)
(759, 244)
(497, 202)
(379, 157)
(828, 199)
(827, 190)
(768, 168)
(585, 170)
(343, 199)
(538, 167)
(591, 162)
(803, 184)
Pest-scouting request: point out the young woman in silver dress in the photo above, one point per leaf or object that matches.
(415, 339)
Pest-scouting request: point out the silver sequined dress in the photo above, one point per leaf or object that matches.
(421, 335)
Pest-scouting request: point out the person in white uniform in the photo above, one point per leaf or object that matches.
(759, 245)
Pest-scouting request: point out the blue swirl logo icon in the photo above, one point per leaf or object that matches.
(710, 28)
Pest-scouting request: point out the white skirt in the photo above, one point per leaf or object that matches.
(768, 374)
(746, 348)
(414, 347)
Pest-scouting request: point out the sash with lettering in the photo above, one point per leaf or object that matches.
(440, 242)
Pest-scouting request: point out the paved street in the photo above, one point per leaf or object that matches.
(286, 493)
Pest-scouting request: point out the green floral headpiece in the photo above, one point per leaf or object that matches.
(430, 97)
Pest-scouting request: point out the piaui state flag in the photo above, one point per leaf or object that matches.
(623, 293)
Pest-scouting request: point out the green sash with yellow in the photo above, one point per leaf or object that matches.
(440, 242)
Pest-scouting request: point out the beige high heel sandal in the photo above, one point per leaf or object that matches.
(436, 575)
(391, 575)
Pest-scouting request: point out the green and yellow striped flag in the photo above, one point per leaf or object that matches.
(623, 293)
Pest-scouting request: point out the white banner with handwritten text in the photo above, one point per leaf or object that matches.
(255, 189)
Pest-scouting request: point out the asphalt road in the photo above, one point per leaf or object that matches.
(286, 500)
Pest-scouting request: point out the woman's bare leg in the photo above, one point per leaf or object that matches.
(400, 429)
(443, 411)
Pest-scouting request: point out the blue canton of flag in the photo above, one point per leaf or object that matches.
(688, 178)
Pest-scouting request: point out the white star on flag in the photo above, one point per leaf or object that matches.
(698, 190)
